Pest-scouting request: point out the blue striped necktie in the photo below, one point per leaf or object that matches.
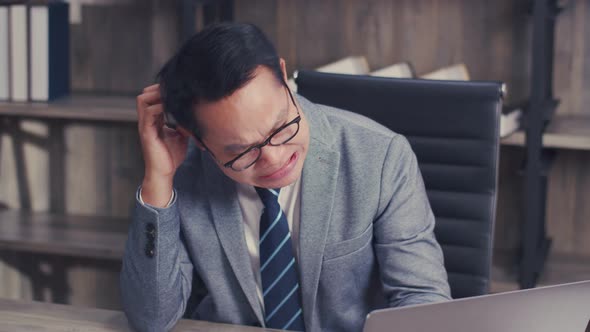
(278, 269)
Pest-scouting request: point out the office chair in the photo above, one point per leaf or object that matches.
(453, 128)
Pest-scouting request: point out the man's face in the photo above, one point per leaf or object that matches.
(248, 117)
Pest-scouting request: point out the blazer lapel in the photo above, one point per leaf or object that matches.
(317, 195)
(227, 218)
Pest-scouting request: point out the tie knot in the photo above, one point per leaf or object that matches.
(268, 196)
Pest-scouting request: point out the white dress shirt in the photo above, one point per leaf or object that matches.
(251, 207)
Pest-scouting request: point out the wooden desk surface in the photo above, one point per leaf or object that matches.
(20, 316)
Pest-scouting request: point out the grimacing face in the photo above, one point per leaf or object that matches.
(248, 117)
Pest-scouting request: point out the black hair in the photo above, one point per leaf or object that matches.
(212, 65)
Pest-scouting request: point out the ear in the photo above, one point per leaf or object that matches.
(283, 68)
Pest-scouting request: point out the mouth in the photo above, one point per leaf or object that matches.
(284, 170)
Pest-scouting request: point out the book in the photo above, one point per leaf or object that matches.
(4, 54)
(19, 51)
(510, 120)
(398, 70)
(50, 75)
(457, 72)
(352, 65)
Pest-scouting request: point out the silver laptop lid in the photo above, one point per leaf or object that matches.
(562, 308)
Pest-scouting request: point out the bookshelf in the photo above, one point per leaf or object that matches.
(563, 132)
(57, 233)
(91, 245)
(49, 237)
(77, 107)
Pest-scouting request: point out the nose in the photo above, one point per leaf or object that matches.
(271, 157)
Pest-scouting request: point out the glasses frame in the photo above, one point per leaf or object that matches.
(171, 122)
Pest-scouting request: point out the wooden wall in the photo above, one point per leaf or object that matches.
(490, 37)
(569, 181)
(118, 49)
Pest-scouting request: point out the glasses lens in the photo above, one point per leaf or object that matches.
(285, 135)
(246, 160)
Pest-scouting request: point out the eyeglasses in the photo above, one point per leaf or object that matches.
(249, 157)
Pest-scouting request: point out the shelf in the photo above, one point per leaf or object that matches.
(564, 132)
(75, 107)
(79, 236)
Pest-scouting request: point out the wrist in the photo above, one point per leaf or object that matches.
(156, 191)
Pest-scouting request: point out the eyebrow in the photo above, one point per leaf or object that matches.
(242, 147)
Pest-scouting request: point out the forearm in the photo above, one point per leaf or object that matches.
(157, 273)
(410, 259)
(156, 191)
(412, 270)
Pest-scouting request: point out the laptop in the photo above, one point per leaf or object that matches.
(562, 308)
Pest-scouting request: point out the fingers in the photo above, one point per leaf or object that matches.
(146, 100)
(150, 119)
(149, 98)
(154, 109)
(151, 88)
(153, 114)
(169, 133)
(150, 110)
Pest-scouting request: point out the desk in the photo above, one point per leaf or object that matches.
(21, 316)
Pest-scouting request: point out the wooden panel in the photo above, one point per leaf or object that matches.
(111, 48)
(572, 52)
(568, 212)
(14, 284)
(93, 283)
(488, 37)
(286, 17)
(164, 34)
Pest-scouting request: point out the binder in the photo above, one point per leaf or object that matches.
(50, 75)
(4, 54)
(19, 50)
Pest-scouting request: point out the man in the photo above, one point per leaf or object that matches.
(262, 208)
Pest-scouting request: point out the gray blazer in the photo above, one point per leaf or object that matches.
(366, 236)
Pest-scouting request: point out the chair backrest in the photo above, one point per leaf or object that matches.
(453, 128)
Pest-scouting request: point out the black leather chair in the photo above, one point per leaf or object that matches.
(453, 127)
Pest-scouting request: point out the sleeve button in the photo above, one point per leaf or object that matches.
(150, 250)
